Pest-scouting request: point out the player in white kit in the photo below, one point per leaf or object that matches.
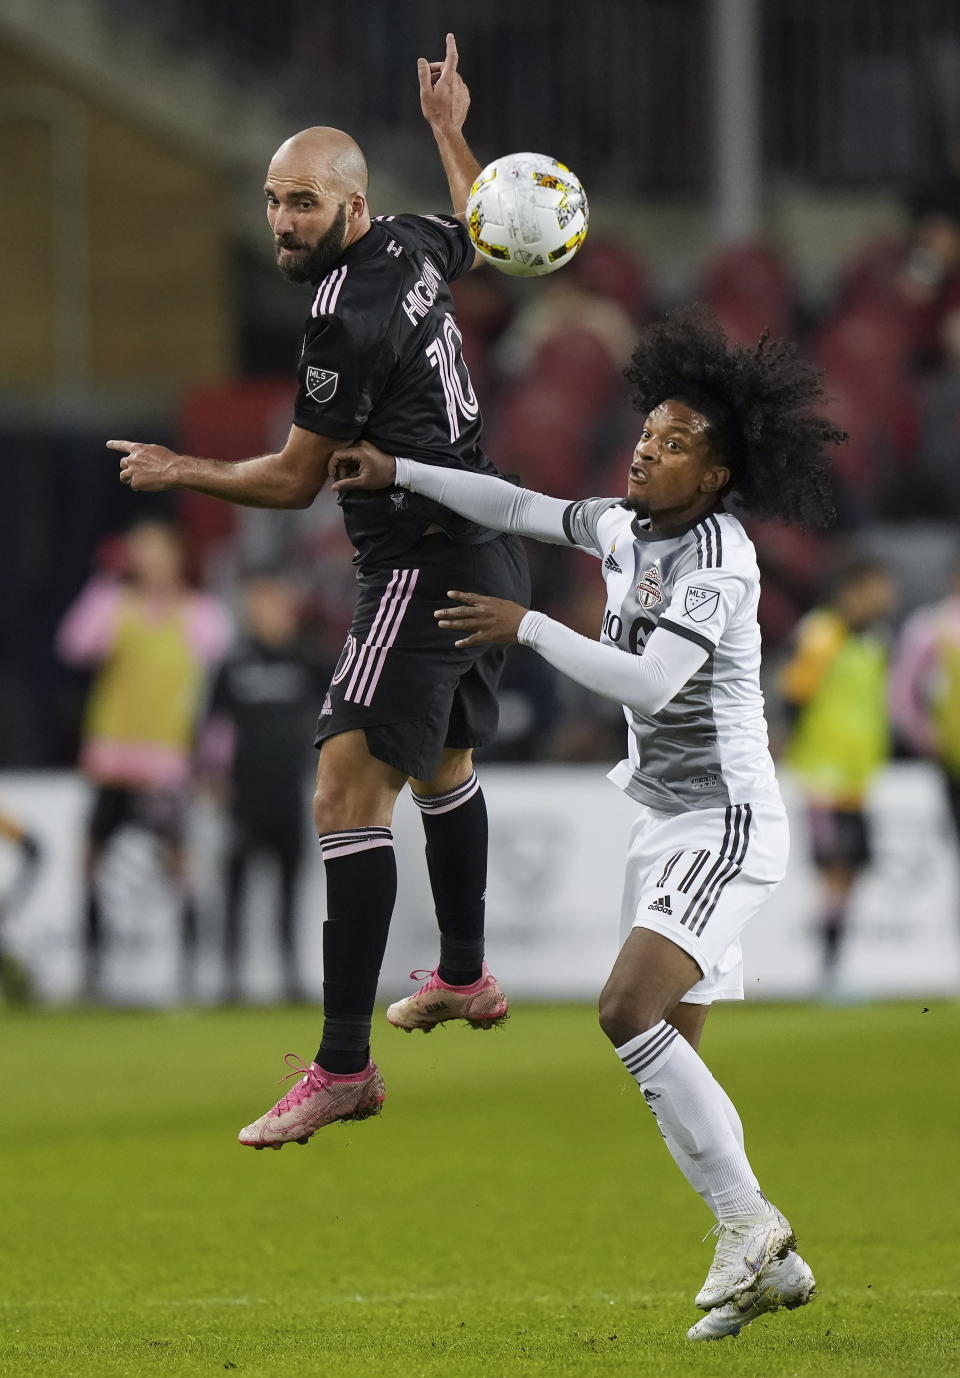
(680, 649)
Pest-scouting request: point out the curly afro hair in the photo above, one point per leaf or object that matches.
(758, 403)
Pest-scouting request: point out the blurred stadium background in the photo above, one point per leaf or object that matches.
(796, 163)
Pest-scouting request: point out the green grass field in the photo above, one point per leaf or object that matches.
(512, 1212)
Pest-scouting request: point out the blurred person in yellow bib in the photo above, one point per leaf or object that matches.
(151, 639)
(836, 684)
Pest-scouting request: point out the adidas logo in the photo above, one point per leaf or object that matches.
(661, 904)
(436, 1007)
(651, 1096)
(611, 564)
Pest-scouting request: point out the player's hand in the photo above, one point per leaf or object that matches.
(146, 468)
(444, 98)
(490, 621)
(361, 466)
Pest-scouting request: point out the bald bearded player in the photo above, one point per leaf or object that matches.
(381, 360)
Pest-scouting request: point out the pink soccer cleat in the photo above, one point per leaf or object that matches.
(483, 1005)
(318, 1099)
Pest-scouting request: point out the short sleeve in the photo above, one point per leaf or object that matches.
(446, 239)
(340, 374)
(702, 605)
(581, 521)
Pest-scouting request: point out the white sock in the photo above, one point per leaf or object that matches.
(682, 1158)
(698, 1121)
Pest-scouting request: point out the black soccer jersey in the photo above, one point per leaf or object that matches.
(270, 694)
(382, 360)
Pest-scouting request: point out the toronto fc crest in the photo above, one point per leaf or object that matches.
(650, 588)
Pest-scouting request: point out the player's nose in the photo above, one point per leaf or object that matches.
(283, 222)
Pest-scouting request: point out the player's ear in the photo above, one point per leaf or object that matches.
(358, 204)
(715, 478)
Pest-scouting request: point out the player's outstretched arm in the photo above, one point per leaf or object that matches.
(445, 100)
(490, 501)
(645, 683)
(292, 478)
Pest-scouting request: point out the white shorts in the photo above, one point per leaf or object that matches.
(698, 878)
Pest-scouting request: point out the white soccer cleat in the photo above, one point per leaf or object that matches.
(786, 1282)
(743, 1250)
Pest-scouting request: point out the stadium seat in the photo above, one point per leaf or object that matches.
(614, 271)
(543, 433)
(751, 289)
(869, 278)
(577, 360)
(864, 350)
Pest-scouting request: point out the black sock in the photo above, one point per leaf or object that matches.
(832, 932)
(189, 942)
(455, 825)
(92, 940)
(361, 872)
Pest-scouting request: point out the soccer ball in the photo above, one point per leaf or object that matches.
(527, 214)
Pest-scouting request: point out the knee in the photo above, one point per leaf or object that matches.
(624, 1013)
(330, 807)
(340, 802)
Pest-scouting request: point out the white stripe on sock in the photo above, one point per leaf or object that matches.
(452, 799)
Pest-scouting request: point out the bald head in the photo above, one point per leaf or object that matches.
(326, 157)
(316, 192)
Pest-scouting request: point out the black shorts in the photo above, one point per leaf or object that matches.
(400, 677)
(161, 812)
(839, 837)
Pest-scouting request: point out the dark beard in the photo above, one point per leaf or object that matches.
(637, 505)
(314, 265)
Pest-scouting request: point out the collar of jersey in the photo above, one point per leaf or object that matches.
(643, 533)
(363, 247)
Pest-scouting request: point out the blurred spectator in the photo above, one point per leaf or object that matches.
(928, 282)
(933, 488)
(151, 638)
(925, 688)
(836, 682)
(15, 984)
(264, 708)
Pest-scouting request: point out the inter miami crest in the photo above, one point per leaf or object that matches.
(650, 588)
(700, 604)
(321, 383)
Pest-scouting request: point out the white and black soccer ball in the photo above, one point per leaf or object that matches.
(527, 214)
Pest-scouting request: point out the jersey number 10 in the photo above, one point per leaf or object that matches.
(445, 355)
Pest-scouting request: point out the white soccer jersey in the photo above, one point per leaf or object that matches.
(708, 746)
(701, 741)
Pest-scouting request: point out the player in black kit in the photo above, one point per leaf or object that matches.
(264, 698)
(381, 360)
